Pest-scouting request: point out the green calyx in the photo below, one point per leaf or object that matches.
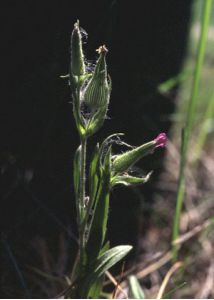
(77, 67)
(124, 161)
(97, 92)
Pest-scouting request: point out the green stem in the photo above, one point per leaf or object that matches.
(81, 210)
(179, 198)
(190, 118)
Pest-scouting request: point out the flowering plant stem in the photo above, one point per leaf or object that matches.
(91, 94)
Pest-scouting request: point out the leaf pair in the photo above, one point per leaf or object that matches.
(98, 269)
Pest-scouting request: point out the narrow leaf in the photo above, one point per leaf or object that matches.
(135, 290)
(96, 288)
(93, 174)
(128, 180)
(169, 84)
(76, 170)
(102, 264)
(100, 216)
(76, 177)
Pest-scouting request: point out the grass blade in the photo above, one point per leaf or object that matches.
(190, 118)
(16, 267)
(204, 131)
(135, 290)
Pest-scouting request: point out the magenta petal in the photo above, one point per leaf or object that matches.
(161, 140)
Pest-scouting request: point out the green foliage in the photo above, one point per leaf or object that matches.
(91, 94)
(169, 84)
(100, 216)
(128, 180)
(76, 178)
(135, 290)
(94, 175)
(101, 265)
(207, 8)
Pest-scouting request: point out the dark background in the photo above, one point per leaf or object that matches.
(146, 42)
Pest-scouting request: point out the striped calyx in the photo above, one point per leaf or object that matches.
(123, 162)
(97, 92)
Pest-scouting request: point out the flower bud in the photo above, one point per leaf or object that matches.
(161, 140)
(77, 57)
(126, 160)
(97, 92)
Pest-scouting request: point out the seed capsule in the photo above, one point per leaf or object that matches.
(126, 160)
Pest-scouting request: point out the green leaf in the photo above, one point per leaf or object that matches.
(76, 170)
(93, 175)
(76, 178)
(135, 290)
(103, 264)
(105, 248)
(167, 85)
(96, 288)
(113, 138)
(100, 215)
(128, 180)
(80, 122)
(109, 259)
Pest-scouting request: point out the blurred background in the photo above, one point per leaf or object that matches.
(152, 51)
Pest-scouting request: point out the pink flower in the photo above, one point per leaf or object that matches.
(161, 140)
